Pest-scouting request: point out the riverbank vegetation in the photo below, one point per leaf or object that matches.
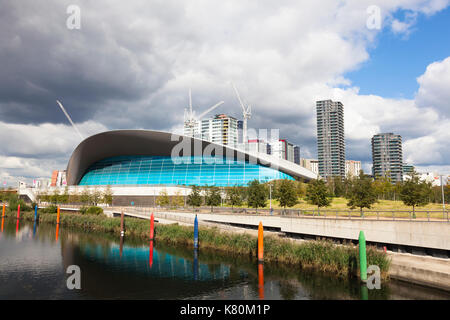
(340, 260)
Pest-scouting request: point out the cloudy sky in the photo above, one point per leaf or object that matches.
(131, 64)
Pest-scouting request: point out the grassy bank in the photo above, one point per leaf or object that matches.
(322, 255)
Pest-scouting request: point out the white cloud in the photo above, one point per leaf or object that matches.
(283, 56)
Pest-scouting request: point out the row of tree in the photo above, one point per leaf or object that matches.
(363, 192)
(85, 196)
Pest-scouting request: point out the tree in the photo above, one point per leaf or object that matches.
(85, 197)
(55, 196)
(317, 194)
(177, 200)
(286, 194)
(415, 192)
(234, 196)
(257, 194)
(212, 197)
(96, 197)
(362, 193)
(64, 198)
(107, 196)
(194, 199)
(163, 199)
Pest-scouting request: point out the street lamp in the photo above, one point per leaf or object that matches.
(270, 198)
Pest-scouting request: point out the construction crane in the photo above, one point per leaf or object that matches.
(246, 113)
(190, 120)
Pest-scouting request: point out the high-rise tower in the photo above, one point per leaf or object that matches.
(387, 156)
(330, 138)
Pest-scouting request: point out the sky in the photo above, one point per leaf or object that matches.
(130, 65)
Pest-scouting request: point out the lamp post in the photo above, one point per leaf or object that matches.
(270, 197)
(443, 196)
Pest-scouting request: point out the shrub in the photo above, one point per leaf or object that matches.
(91, 210)
(49, 209)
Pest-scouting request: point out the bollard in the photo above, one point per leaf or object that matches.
(195, 233)
(58, 216)
(18, 212)
(57, 232)
(35, 213)
(260, 242)
(362, 256)
(122, 232)
(152, 225)
(3, 211)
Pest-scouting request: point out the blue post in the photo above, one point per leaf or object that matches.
(35, 221)
(195, 233)
(195, 266)
(35, 212)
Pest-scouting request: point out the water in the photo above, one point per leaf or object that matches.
(34, 260)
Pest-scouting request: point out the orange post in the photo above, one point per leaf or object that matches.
(151, 254)
(152, 226)
(260, 242)
(3, 222)
(3, 211)
(57, 216)
(18, 212)
(57, 232)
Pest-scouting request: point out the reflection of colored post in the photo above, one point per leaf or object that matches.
(364, 292)
(3, 211)
(195, 264)
(3, 222)
(362, 256)
(18, 212)
(195, 233)
(261, 280)
(151, 254)
(57, 216)
(35, 213)
(152, 225)
(121, 246)
(121, 225)
(260, 242)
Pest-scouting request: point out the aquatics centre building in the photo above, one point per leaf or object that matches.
(133, 158)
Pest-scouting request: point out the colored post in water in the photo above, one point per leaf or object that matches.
(18, 212)
(3, 211)
(122, 232)
(362, 256)
(35, 213)
(195, 233)
(58, 216)
(260, 242)
(152, 226)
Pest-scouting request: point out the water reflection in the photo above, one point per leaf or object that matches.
(126, 268)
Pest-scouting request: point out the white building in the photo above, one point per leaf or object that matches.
(432, 177)
(282, 149)
(352, 168)
(220, 129)
(310, 164)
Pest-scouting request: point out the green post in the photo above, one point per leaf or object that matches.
(362, 256)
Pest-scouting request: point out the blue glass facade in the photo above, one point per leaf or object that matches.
(162, 170)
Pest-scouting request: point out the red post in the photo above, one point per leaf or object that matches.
(57, 216)
(152, 225)
(3, 211)
(18, 212)
(260, 242)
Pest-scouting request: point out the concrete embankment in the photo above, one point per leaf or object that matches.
(422, 270)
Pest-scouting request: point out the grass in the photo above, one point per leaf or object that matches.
(321, 255)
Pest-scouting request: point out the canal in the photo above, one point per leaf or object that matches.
(34, 262)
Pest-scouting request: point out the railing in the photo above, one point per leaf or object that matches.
(396, 215)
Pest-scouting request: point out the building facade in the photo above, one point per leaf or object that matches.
(310, 164)
(220, 129)
(330, 138)
(352, 168)
(297, 155)
(282, 149)
(387, 156)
